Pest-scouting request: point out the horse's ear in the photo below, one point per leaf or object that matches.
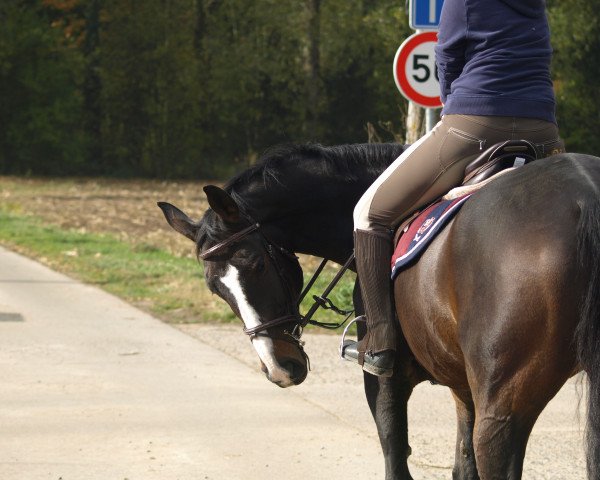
(222, 203)
(179, 221)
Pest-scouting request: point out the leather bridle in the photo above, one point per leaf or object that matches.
(236, 237)
(299, 321)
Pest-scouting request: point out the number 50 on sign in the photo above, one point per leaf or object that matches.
(415, 72)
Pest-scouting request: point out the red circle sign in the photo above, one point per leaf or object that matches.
(415, 72)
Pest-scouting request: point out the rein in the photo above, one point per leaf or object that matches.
(323, 301)
(300, 320)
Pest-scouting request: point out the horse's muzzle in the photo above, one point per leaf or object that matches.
(296, 373)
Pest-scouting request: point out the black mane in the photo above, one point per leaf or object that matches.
(345, 163)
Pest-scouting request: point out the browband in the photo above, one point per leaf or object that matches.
(236, 237)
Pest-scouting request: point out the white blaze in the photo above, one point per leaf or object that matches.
(263, 345)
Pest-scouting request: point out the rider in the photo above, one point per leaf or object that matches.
(493, 59)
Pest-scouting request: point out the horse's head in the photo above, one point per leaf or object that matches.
(247, 266)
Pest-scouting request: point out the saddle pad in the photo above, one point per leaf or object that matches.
(422, 230)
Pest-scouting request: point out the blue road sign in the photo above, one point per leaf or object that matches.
(425, 14)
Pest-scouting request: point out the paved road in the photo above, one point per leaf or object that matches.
(91, 388)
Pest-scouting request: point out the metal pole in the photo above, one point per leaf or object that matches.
(430, 119)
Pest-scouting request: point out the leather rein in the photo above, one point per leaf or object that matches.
(300, 321)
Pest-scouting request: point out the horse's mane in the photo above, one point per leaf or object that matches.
(345, 163)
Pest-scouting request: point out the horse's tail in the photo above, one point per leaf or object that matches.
(587, 335)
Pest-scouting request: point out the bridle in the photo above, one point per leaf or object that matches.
(298, 320)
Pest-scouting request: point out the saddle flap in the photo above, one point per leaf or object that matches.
(511, 153)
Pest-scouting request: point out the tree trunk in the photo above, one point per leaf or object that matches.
(313, 67)
(92, 86)
(200, 28)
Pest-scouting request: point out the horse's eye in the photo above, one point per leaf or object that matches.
(250, 261)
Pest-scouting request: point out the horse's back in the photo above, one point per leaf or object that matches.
(527, 219)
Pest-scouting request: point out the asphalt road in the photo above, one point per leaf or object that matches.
(92, 388)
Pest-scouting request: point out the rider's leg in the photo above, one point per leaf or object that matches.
(373, 249)
(375, 352)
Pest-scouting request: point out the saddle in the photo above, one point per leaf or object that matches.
(512, 153)
(417, 231)
(499, 157)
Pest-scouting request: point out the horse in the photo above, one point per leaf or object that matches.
(502, 308)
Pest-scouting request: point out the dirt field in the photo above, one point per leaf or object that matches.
(124, 208)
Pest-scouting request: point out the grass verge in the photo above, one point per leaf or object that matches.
(163, 284)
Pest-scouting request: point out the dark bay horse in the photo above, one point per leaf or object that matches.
(502, 308)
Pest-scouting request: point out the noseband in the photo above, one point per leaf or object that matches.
(296, 318)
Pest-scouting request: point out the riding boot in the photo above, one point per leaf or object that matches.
(375, 352)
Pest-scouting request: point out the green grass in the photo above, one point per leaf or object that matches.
(141, 274)
(168, 286)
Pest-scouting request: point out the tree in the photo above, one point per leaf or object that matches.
(92, 84)
(313, 67)
(148, 97)
(40, 72)
(576, 40)
(362, 38)
(190, 87)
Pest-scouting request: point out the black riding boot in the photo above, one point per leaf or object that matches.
(375, 352)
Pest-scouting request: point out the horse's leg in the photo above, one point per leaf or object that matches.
(500, 439)
(388, 401)
(505, 413)
(464, 458)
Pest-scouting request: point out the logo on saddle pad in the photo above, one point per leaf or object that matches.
(428, 223)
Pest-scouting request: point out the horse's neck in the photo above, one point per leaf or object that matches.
(308, 193)
(322, 234)
(317, 220)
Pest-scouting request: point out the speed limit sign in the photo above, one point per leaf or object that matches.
(415, 71)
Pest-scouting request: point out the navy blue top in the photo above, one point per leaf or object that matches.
(493, 58)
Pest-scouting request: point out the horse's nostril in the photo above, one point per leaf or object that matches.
(297, 371)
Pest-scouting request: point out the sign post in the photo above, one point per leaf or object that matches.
(415, 71)
(425, 14)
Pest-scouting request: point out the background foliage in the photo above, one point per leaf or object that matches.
(197, 88)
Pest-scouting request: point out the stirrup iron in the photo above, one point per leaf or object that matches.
(360, 318)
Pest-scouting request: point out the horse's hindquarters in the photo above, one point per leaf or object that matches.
(491, 308)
